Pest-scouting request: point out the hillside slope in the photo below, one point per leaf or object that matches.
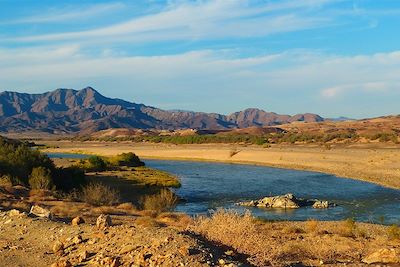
(86, 111)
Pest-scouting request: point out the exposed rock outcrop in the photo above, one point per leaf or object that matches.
(384, 255)
(288, 201)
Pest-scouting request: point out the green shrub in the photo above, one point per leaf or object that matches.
(41, 178)
(99, 194)
(17, 159)
(97, 163)
(127, 159)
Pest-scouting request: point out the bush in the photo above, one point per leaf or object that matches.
(96, 163)
(6, 180)
(41, 178)
(68, 179)
(99, 194)
(17, 160)
(127, 159)
(165, 200)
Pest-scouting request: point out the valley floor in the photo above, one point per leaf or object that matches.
(376, 163)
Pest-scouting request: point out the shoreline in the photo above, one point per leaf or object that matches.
(375, 165)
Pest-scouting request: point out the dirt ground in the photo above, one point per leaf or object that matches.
(376, 163)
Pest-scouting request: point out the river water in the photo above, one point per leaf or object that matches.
(208, 186)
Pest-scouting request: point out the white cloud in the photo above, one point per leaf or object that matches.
(203, 19)
(67, 14)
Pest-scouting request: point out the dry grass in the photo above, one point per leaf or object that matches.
(99, 194)
(312, 226)
(290, 243)
(177, 220)
(128, 206)
(146, 221)
(394, 232)
(347, 228)
(165, 200)
(6, 181)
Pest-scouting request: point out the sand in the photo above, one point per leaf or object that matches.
(378, 164)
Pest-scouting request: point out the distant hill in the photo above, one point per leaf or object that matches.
(87, 111)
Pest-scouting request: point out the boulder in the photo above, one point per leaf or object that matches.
(288, 201)
(384, 255)
(103, 221)
(40, 212)
(319, 204)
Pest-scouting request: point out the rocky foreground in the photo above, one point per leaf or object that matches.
(34, 241)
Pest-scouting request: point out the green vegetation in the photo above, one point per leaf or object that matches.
(40, 178)
(99, 164)
(149, 177)
(271, 138)
(21, 164)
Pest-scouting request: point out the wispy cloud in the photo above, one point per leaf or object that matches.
(204, 19)
(67, 14)
(361, 88)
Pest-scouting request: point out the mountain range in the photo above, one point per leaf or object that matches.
(87, 111)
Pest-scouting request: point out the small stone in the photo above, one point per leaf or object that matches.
(109, 261)
(77, 240)
(8, 221)
(83, 256)
(229, 252)
(168, 239)
(58, 246)
(62, 263)
(127, 249)
(221, 262)
(40, 212)
(77, 221)
(103, 221)
(93, 241)
(14, 212)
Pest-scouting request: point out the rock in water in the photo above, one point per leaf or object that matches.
(288, 201)
(384, 255)
(40, 212)
(103, 221)
(320, 204)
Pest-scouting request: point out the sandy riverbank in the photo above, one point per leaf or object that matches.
(376, 164)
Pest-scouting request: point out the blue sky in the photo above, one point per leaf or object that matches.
(331, 57)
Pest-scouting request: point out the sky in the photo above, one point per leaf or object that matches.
(330, 57)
